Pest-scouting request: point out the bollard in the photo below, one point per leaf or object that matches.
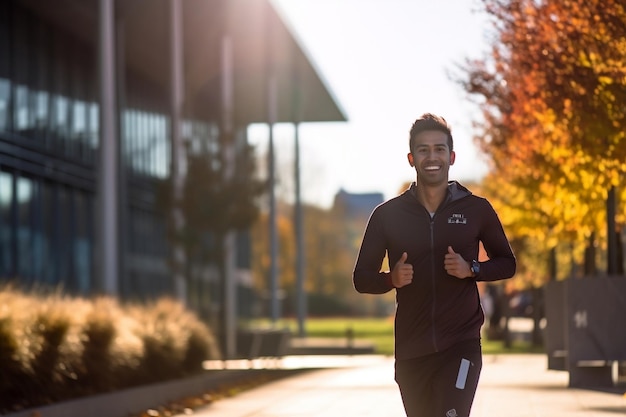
(350, 337)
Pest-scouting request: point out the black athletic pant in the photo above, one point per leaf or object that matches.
(441, 384)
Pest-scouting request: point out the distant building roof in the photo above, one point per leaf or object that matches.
(357, 204)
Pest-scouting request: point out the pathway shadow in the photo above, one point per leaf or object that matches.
(617, 410)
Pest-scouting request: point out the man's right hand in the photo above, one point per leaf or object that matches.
(402, 273)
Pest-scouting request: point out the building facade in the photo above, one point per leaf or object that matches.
(184, 73)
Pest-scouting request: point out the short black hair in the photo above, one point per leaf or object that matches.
(429, 121)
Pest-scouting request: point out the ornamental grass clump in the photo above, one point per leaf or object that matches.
(174, 342)
(54, 347)
(98, 335)
(48, 331)
(200, 345)
(16, 378)
(14, 373)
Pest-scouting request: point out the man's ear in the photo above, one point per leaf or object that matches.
(410, 158)
(452, 157)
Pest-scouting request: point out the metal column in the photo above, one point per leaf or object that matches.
(273, 224)
(177, 146)
(109, 154)
(300, 290)
(229, 280)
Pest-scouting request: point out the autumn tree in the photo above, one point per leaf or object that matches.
(328, 261)
(324, 258)
(552, 94)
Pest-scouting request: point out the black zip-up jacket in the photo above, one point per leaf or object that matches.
(436, 310)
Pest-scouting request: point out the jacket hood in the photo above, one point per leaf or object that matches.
(457, 191)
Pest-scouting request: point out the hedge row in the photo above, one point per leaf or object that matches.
(54, 347)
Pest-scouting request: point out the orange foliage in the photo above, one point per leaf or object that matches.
(553, 93)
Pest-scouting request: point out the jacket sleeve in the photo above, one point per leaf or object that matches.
(502, 263)
(367, 276)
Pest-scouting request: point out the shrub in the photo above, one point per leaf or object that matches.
(98, 335)
(49, 330)
(13, 376)
(200, 345)
(54, 347)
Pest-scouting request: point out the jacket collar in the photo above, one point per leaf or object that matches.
(455, 192)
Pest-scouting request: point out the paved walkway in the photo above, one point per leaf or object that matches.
(362, 385)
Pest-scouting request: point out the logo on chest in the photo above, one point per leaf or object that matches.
(457, 219)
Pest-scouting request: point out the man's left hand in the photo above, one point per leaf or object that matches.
(455, 265)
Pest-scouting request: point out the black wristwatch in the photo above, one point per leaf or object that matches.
(475, 268)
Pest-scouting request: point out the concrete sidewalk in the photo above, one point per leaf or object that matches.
(363, 385)
(521, 386)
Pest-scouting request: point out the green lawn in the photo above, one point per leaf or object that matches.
(380, 333)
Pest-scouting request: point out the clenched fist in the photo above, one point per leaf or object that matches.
(455, 265)
(402, 273)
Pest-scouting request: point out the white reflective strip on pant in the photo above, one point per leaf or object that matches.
(461, 378)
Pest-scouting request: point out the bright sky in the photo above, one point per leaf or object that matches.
(386, 62)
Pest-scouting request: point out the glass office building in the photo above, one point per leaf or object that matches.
(49, 129)
(51, 112)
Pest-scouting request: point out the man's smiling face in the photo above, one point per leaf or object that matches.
(431, 157)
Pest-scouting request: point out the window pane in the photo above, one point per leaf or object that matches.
(161, 150)
(143, 138)
(41, 110)
(24, 228)
(79, 125)
(5, 90)
(60, 112)
(6, 248)
(82, 244)
(63, 235)
(38, 232)
(94, 126)
(51, 247)
(21, 108)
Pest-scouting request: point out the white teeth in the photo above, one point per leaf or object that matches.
(431, 168)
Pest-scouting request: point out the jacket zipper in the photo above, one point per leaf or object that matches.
(433, 279)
